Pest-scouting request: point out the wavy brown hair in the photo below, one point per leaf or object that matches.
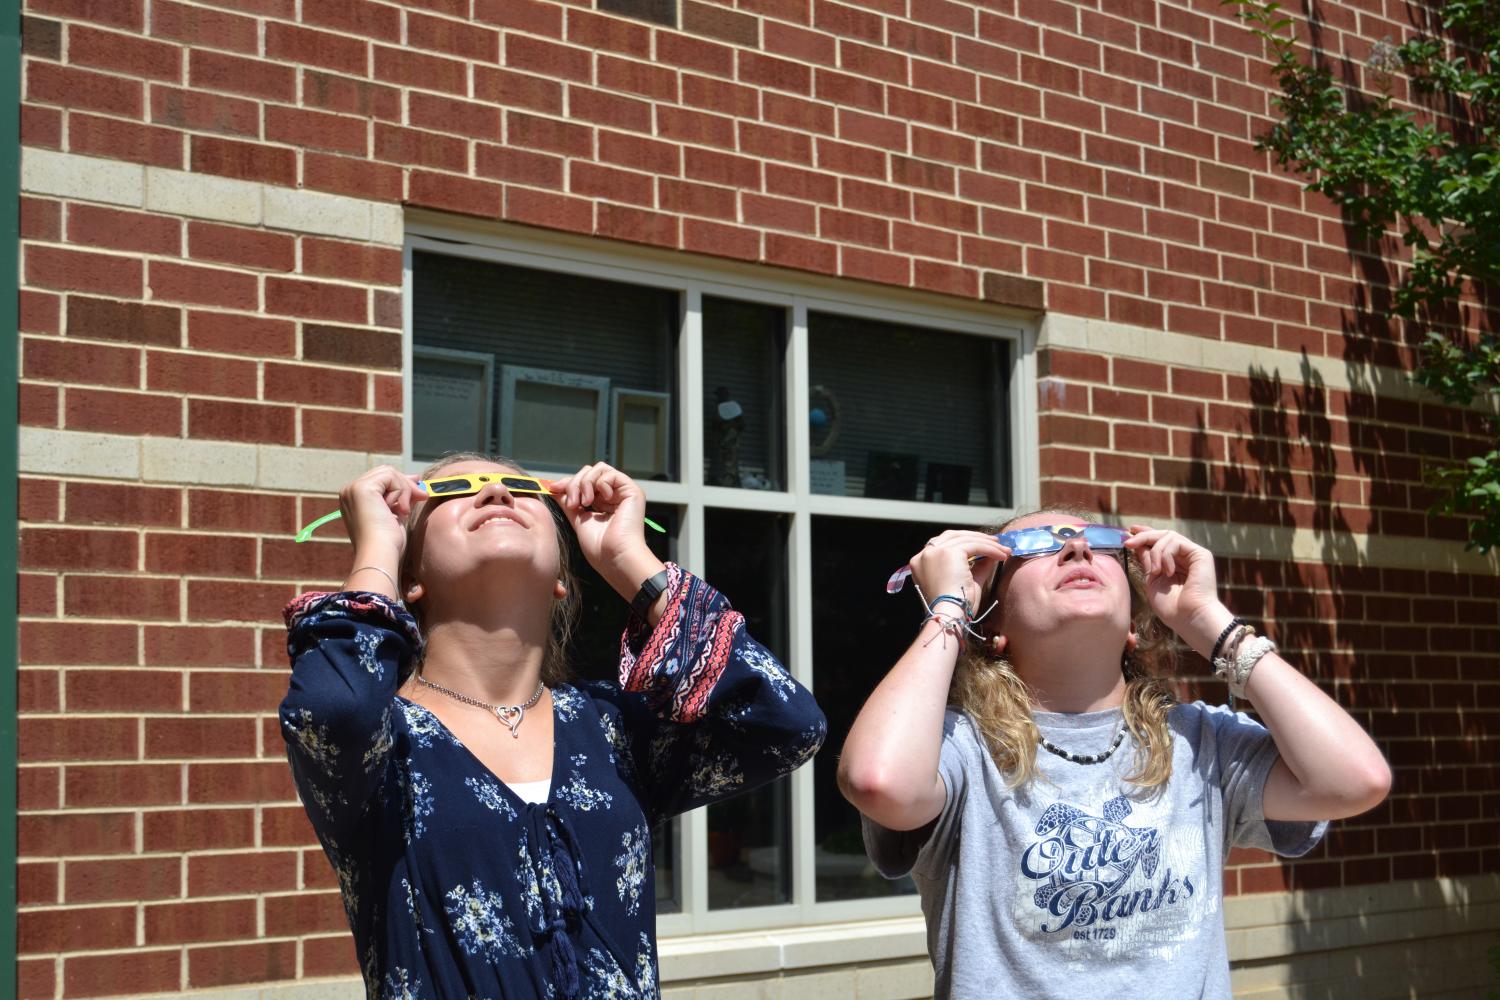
(564, 616)
(993, 695)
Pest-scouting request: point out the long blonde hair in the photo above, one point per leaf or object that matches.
(563, 618)
(993, 695)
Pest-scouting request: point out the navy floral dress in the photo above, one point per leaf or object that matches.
(456, 887)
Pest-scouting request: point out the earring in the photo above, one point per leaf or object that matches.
(1127, 665)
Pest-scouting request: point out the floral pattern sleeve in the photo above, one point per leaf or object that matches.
(347, 652)
(709, 712)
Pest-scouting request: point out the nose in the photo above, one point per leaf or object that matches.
(494, 493)
(1076, 547)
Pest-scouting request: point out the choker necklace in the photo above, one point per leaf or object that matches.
(511, 715)
(1080, 758)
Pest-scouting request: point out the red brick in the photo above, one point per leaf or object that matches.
(357, 17)
(612, 110)
(110, 503)
(305, 913)
(41, 219)
(328, 92)
(122, 879)
(289, 560)
(340, 429)
(307, 384)
(74, 271)
(36, 883)
(218, 510)
(241, 872)
(120, 597)
(316, 300)
(308, 47)
(699, 236)
(518, 90)
(457, 38)
(60, 361)
(131, 689)
(130, 55)
(349, 176)
(190, 923)
(267, 781)
(66, 834)
(41, 127)
(444, 114)
(199, 554)
(254, 248)
(61, 548)
(210, 286)
(318, 130)
(329, 956)
(131, 413)
(199, 26)
(594, 181)
(217, 646)
(101, 974)
(350, 346)
(531, 16)
(235, 690)
(206, 737)
(695, 127)
(36, 595)
(457, 194)
(84, 90)
(120, 140)
(254, 422)
(123, 784)
(113, 229)
(219, 965)
(414, 69)
(75, 929)
(204, 112)
(423, 149)
(687, 52)
(199, 829)
(632, 77)
(236, 74)
(554, 211)
(802, 254)
(244, 160)
(286, 826)
(43, 738)
(128, 14)
(548, 135)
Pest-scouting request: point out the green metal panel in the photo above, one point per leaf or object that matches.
(10, 235)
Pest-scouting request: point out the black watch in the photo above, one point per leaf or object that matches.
(647, 595)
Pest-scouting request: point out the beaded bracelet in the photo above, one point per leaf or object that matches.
(1219, 642)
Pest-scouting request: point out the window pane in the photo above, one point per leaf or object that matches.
(749, 837)
(595, 655)
(570, 369)
(858, 632)
(907, 413)
(744, 427)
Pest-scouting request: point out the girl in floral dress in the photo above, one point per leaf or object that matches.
(490, 823)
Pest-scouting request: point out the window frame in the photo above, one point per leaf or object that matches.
(694, 277)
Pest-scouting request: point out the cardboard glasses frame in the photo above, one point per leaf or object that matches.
(465, 485)
(1026, 543)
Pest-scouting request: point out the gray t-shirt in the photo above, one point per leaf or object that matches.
(1081, 882)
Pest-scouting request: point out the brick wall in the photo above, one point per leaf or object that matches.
(211, 268)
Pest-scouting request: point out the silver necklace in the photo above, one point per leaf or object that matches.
(1082, 758)
(511, 715)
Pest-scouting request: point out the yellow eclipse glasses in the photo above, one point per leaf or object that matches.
(465, 485)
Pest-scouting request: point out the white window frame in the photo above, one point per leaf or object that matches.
(693, 278)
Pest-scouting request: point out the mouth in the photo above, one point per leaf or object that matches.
(496, 520)
(1080, 580)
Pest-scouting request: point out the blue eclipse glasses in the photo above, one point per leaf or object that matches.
(1028, 543)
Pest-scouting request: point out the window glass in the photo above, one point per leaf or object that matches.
(749, 837)
(905, 413)
(744, 424)
(552, 370)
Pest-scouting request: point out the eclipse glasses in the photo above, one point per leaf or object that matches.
(1028, 543)
(466, 485)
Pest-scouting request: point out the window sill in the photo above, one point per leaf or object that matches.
(707, 956)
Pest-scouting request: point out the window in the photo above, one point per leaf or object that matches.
(799, 440)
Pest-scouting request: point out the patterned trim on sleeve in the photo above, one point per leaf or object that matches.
(377, 609)
(686, 653)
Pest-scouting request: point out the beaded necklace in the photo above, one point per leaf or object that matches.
(1079, 758)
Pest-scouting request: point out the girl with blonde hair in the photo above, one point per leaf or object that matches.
(1065, 820)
